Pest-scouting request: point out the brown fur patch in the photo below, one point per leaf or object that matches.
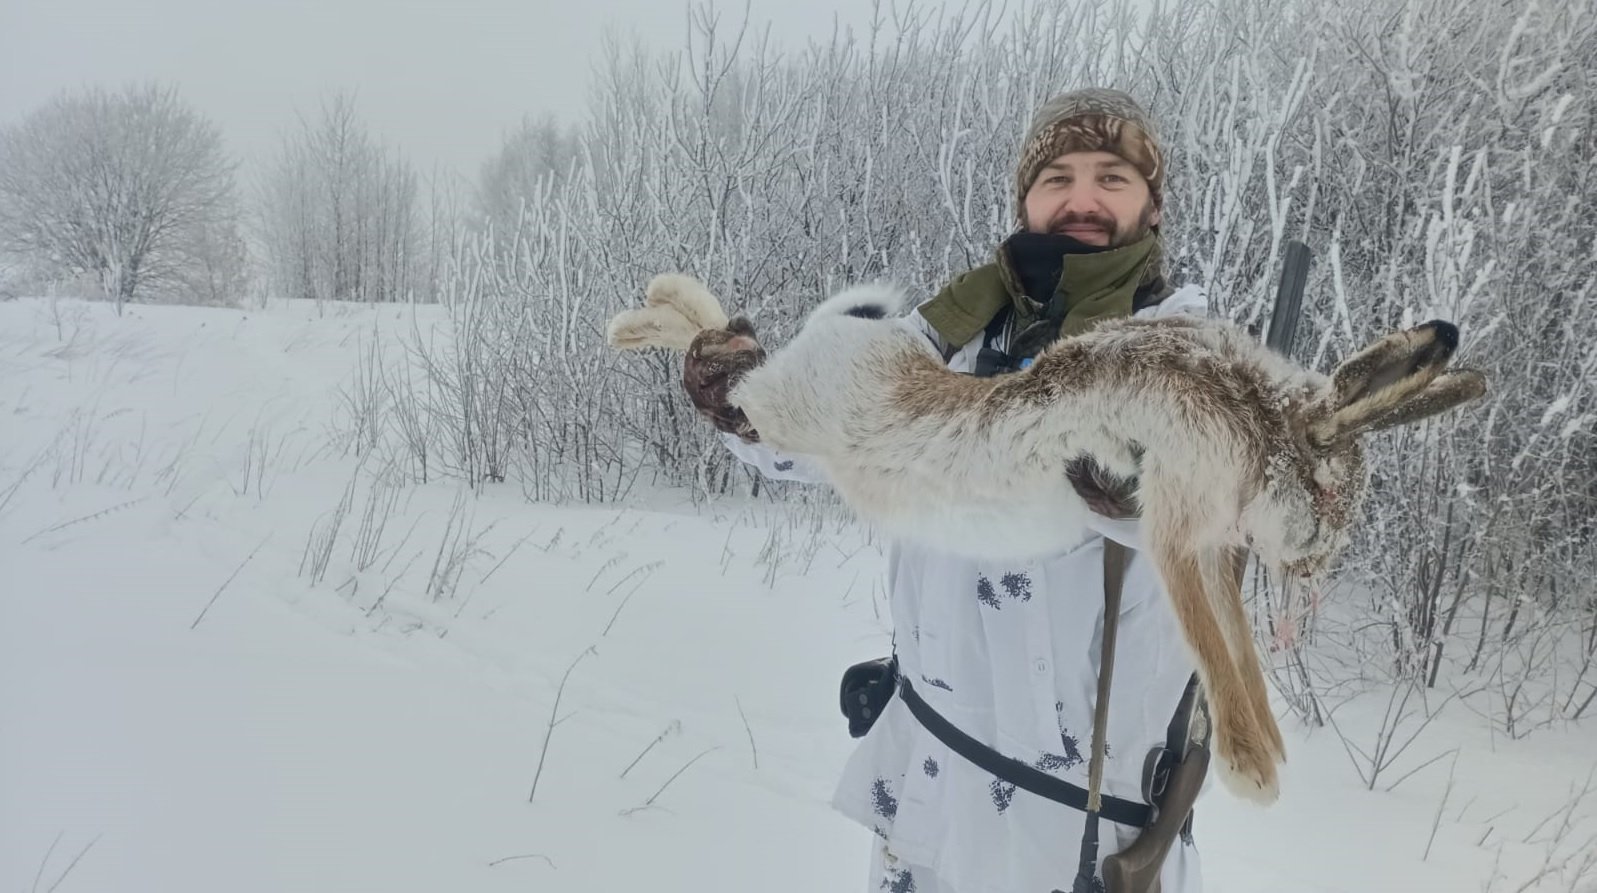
(1106, 494)
(924, 388)
(716, 361)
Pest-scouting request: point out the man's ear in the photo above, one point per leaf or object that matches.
(1156, 217)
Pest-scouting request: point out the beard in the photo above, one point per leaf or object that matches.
(1118, 235)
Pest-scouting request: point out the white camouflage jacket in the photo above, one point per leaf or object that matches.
(1008, 652)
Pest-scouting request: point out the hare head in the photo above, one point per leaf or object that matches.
(1400, 379)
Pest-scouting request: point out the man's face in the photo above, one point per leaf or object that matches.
(1095, 197)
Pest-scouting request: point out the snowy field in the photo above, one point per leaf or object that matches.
(195, 697)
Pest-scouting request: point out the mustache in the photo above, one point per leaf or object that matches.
(1058, 224)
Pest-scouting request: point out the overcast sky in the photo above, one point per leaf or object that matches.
(442, 80)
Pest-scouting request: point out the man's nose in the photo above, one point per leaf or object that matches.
(1083, 199)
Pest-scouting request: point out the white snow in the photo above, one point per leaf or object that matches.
(303, 737)
(1556, 408)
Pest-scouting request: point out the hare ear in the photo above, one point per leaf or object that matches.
(688, 297)
(1444, 392)
(650, 327)
(1397, 380)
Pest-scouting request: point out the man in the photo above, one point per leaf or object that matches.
(1008, 653)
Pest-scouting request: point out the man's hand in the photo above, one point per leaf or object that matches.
(1104, 493)
(716, 360)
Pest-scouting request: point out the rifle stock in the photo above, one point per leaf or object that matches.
(1135, 869)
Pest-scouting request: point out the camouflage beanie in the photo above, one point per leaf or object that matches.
(1090, 120)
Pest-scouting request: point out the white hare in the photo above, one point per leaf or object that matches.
(1233, 448)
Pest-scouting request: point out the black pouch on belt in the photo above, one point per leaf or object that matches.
(866, 689)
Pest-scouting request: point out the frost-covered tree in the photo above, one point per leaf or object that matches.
(538, 154)
(337, 213)
(132, 188)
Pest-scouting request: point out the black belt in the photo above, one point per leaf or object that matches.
(1122, 812)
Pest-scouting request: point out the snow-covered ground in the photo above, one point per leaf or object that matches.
(185, 705)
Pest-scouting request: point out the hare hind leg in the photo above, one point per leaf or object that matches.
(1246, 756)
(1223, 570)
